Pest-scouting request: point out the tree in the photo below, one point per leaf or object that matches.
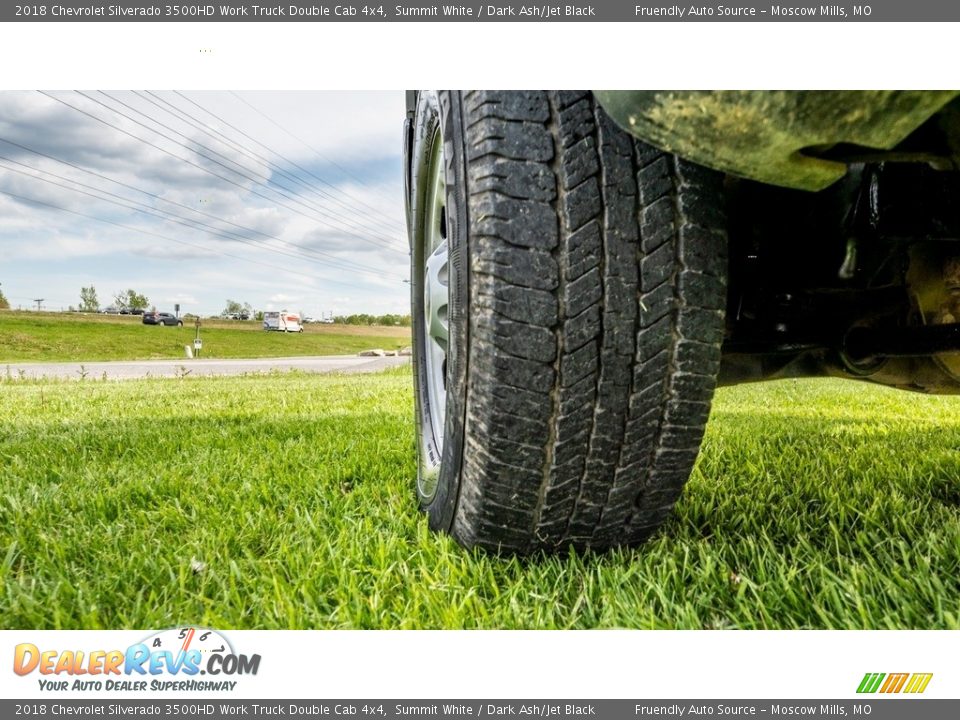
(389, 320)
(4, 303)
(237, 310)
(233, 308)
(136, 301)
(131, 299)
(88, 299)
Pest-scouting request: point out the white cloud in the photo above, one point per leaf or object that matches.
(306, 244)
(181, 299)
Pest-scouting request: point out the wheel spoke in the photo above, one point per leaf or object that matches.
(436, 299)
(437, 294)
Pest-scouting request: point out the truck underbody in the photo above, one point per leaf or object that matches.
(844, 227)
(861, 280)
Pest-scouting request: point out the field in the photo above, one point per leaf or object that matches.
(145, 504)
(52, 337)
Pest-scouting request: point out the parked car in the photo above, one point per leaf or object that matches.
(161, 318)
(588, 267)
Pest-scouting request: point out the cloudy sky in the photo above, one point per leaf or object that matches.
(282, 200)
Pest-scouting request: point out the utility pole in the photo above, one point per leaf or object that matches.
(39, 301)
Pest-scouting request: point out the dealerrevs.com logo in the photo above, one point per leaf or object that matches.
(168, 660)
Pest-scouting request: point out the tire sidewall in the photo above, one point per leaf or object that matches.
(440, 112)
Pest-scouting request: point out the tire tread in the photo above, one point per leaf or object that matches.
(595, 325)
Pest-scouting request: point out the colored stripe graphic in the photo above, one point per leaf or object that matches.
(894, 683)
(870, 682)
(918, 682)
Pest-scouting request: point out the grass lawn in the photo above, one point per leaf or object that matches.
(52, 337)
(817, 504)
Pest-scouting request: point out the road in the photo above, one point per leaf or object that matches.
(134, 369)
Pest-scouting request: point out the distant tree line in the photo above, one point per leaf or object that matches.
(123, 300)
(365, 319)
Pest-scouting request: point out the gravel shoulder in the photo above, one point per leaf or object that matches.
(132, 370)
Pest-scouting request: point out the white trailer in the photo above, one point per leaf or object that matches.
(282, 321)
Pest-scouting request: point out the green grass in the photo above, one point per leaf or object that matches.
(816, 504)
(52, 337)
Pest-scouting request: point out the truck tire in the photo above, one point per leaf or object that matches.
(568, 287)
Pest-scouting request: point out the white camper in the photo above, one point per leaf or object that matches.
(283, 321)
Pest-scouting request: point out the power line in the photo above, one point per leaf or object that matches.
(156, 212)
(200, 167)
(303, 142)
(42, 203)
(384, 220)
(369, 222)
(266, 183)
(356, 266)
